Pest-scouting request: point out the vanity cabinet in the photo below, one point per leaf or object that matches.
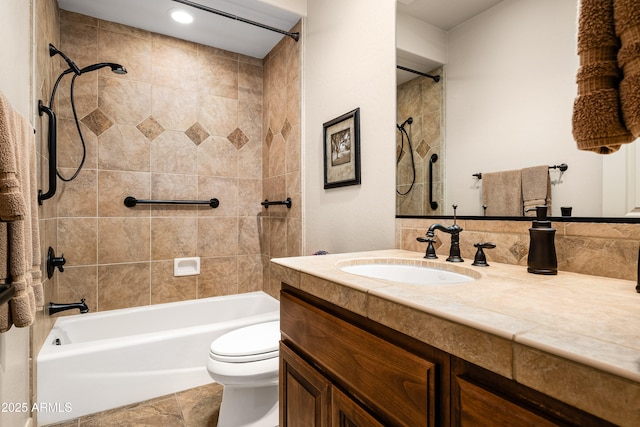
(341, 369)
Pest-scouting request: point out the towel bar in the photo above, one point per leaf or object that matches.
(562, 166)
(267, 203)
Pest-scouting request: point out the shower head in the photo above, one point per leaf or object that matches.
(116, 68)
(409, 121)
(72, 66)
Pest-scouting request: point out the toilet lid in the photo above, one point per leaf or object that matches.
(248, 344)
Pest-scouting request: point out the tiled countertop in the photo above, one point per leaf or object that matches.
(571, 336)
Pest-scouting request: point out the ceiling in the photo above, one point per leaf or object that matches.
(444, 14)
(221, 32)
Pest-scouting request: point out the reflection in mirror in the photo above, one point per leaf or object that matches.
(506, 104)
(418, 172)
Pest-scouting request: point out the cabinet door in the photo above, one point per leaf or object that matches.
(347, 413)
(304, 393)
(395, 384)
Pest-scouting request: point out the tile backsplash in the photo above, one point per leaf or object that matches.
(598, 249)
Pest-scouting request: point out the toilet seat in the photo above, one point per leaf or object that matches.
(249, 344)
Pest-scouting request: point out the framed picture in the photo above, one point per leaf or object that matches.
(342, 150)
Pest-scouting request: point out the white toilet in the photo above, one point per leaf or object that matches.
(245, 361)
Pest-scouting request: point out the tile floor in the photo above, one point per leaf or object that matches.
(197, 407)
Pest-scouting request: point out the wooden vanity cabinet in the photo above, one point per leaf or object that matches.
(340, 369)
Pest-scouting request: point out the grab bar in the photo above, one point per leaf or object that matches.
(130, 202)
(267, 203)
(562, 166)
(432, 160)
(52, 153)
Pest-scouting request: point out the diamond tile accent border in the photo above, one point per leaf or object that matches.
(423, 148)
(97, 122)
(238, 138)
(269, 138)
(197, 133)
(150, 128)
(286, 129)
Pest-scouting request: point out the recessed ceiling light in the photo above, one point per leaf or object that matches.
(181, 16)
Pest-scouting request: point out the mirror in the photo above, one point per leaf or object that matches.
(506, 102)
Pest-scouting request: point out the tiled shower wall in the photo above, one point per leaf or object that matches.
(281, 227)
(422, 99)
(187, 122)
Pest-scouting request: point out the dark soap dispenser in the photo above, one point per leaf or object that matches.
(542, 250)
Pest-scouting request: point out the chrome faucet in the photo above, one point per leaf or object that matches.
(55, 308)
(454, 230)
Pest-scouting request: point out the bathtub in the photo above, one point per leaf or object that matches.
(97, 361)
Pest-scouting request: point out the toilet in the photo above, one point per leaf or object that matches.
(245, 362)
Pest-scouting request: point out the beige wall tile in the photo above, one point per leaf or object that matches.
(218, 276)
(217, 236)
(123, 285)
(114, 186)
(217, 157)
(165, 287)
(173, 152)
(78, 239)
(78, 197)
(126, 49)
(124, 102)
(123, 240)
(173, 238)
(125, 148)
(77, 283)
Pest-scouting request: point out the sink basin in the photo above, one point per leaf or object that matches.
(411, 274)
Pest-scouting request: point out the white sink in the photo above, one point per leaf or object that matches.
(411, 274)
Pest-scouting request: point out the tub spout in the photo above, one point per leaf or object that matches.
(55, 308)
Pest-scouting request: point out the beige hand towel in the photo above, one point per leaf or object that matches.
(19, 238)
(12, 203)
(597, 122)
(502, 193)
(627, 26)
(536, 188)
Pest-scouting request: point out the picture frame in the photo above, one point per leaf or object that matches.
(342, 150)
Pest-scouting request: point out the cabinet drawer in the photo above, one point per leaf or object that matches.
(480, 407)
(392, 382)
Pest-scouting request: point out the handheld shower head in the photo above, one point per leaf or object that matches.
(72, 66)
(409, 121)
(116, 68)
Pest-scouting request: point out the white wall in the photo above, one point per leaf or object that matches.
(349, 62)
(15, 84)
(509, 99)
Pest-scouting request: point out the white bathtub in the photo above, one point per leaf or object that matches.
(118, 357)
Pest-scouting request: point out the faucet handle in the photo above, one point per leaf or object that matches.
(431, 251)
(480, 259)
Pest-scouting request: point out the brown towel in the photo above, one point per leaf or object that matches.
(536, 188)
(502, 193)
(19, 238)
(627, 26)
(12, 203)
(597, 122)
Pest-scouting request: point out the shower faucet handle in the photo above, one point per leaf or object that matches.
(54, 262)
